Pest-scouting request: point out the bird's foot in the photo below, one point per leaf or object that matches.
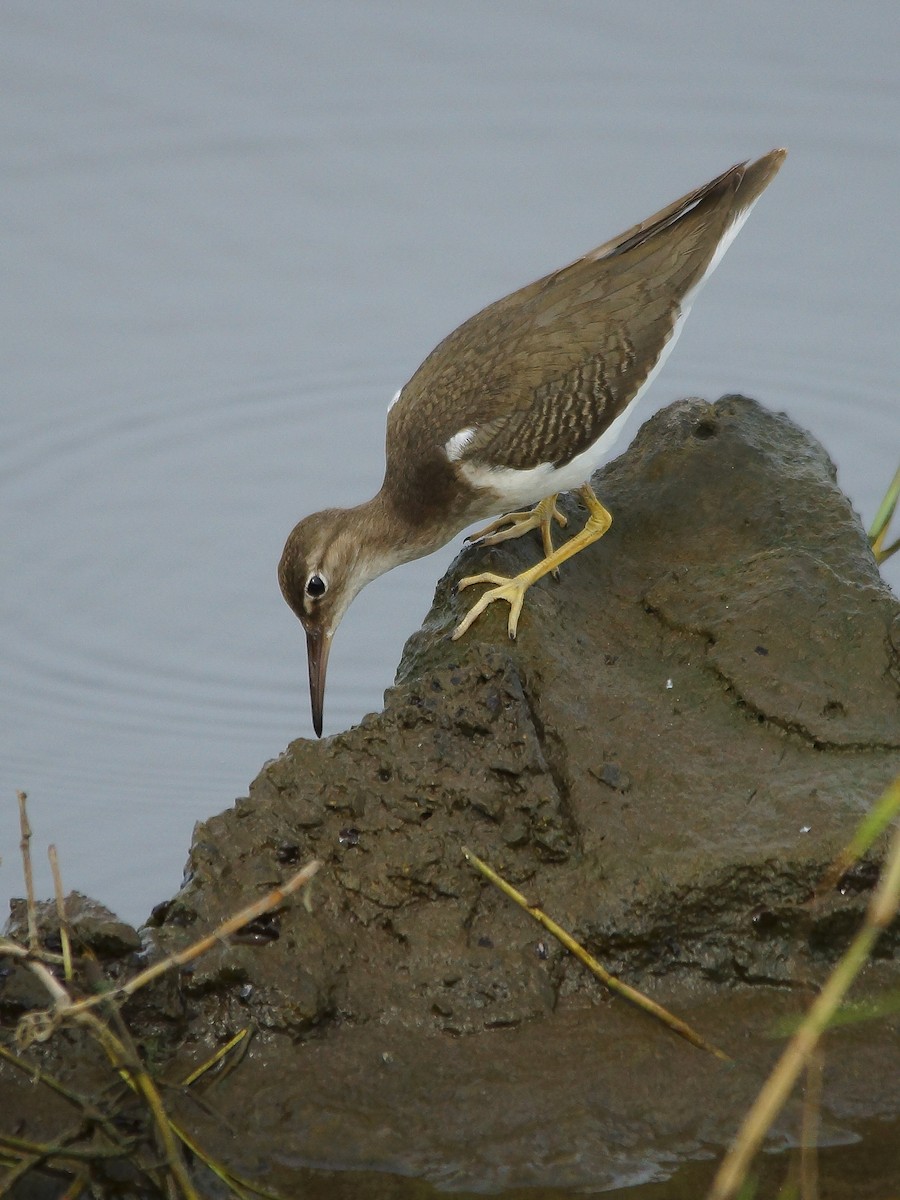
(514, 524)
(511, 589)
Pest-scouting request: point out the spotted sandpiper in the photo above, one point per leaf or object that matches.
(521, 402)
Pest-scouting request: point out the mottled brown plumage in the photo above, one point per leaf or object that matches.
(515, 405)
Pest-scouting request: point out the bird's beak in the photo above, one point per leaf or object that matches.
(318, 643)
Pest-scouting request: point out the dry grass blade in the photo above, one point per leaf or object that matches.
(76, 1187)
(61, 1148)
(24, 1155)
(170, 1176)
(64, 936)
(233, 925)
(18, 1172)
(242, 1188)
(774, 1093)
(216, 1058)
(615, 985)
(25, 847)
(131, 1071)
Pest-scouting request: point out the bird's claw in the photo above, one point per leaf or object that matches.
(508, 589)
(515, 524)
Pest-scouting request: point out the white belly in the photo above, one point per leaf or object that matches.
(516, 488)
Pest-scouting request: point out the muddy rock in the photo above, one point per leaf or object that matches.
(92, 926)
(688, 728)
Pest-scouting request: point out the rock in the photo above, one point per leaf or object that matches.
(93, 926)
(688, 728)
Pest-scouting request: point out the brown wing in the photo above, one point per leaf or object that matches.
(558, 360)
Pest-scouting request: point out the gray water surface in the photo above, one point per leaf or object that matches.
(231, 232)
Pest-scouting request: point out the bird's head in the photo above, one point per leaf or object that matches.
(320, 572)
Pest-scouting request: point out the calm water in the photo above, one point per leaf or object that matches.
(232, 231)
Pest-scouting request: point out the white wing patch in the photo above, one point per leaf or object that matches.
(396, 397)
(725, 241)
(455, 447)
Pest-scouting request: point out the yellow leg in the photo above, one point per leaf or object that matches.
(514, 524)
(513, 590)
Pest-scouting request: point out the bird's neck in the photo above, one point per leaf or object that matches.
(383, 538)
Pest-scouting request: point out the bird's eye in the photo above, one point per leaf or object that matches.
(316, 587)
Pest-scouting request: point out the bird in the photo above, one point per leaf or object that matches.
(520, 403)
